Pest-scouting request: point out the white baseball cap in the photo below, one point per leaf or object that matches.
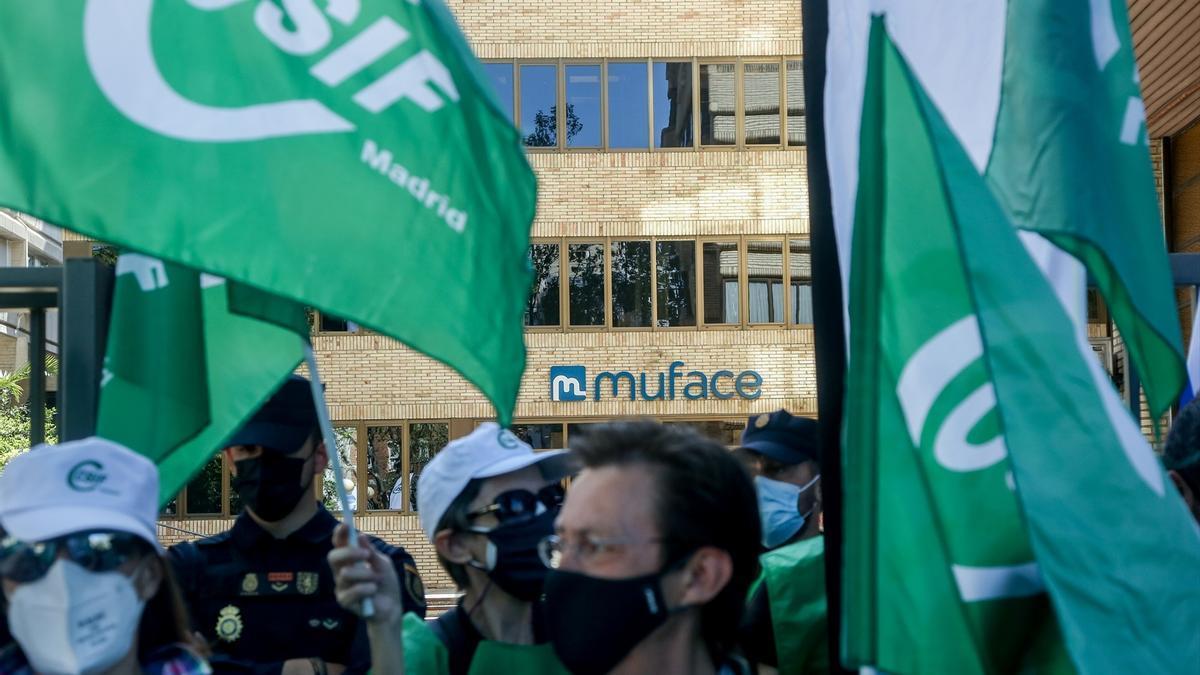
(487, 452)
(91, 484)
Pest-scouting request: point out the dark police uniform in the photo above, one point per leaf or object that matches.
(260, 601)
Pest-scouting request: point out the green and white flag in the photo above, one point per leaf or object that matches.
(1003, 513)
(346, 155)
(1044, 97)
(184, 371)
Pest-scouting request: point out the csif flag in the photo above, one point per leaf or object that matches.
(348, 156)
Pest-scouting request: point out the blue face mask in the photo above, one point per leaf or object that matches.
(779, 509)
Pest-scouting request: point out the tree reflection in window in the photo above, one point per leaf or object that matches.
(631, 284)
(204, 491)
(385, 447)
(676, 273)
(542, 308)
(425, 439)
(586, 284)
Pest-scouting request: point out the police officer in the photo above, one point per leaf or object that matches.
(785, 625)
(262, 592)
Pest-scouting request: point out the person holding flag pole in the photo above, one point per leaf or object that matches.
(261, 592)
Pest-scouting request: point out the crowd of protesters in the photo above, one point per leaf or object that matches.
(644, 548)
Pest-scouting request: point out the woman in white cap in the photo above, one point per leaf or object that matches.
(85, 586)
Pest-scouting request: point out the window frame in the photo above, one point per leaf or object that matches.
(702, 323)
(741, 111)
(783, 275)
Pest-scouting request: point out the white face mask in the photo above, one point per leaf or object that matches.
(74, 622)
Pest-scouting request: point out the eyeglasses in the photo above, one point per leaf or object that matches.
(587, 549)
(520, 505)
(23, 561)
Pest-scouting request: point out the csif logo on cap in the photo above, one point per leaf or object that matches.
(86, 476)
(507, 440)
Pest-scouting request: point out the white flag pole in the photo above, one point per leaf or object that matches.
(335, 459)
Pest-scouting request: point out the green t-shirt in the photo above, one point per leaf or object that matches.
(795, 582)
(425, 654)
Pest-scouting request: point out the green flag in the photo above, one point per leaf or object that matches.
(1071, 162)
(348, 156)
(225, 368)
(991, 474)
(155, 393)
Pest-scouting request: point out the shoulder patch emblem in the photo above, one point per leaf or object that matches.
(229, 624)
(413, 584)
(250, 583)
(306, 582)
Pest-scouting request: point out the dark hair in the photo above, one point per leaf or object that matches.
(704, 497)
(1182, 452)
(457, 518)
(165, 619)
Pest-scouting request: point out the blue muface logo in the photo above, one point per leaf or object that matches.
(568, 383)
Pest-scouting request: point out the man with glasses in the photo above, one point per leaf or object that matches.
(261, 592)
(486, 502)
(655, 549)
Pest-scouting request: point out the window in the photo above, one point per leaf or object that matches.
(760, 103)
(651, 105)
(676, 278)
(539, 108)
(346, 439)
(543, 306)
(721, 286)
(501, 77)
(328, 323)
(795, 103)
(672, 85)
(631, 284)
(541, 436)
(385, 467)
(764, 270)
(718, 104)
(800, 275)
(203, 496)
(586, 289)
(628, 106)
(725, 432)
(583, 106)
(425, 439)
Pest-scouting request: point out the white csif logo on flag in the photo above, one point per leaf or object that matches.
(120, 55)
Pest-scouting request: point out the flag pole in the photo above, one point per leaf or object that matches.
(335, 459)
(829, 340)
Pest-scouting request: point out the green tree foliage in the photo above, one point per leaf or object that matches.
(14, 415)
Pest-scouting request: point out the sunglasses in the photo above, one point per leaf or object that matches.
(24, 562)
(517, 506)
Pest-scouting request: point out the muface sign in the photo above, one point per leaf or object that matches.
(570, 383)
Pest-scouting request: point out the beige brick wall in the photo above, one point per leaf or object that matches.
(574, 29)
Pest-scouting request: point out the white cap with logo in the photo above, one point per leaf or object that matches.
(91, 484)
(487, 452)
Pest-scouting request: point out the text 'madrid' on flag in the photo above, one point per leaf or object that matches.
(350, 157)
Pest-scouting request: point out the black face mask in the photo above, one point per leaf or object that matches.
(516, 567)
(270, 484)
(594, 623)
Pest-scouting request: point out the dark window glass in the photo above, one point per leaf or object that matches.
(333, 324)
(764, 267)
(540, 436)
(795, 103)
(539, 107)
(425, 439)
(583, 106)
(346, 439)
(171, 509)
(721, 288)
(542, 309)
(385, 468)
(760, 102)
(725, 432)
(628, 106)
(718, 101)
(672, 104)
(676, 274)
(1097, 311)
(800, 273)
(631, 285)
(586, 288)
(501, 77)
(204, 492)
